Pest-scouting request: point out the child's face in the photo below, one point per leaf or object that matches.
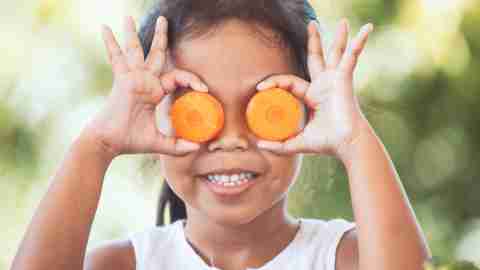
(232, 61)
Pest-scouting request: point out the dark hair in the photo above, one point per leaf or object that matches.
(288, 18)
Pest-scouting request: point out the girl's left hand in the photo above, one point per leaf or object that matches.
(335, 118)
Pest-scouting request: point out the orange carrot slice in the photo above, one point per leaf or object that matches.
(274, 114)
(197, 116)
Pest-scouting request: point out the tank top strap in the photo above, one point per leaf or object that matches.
(324, 237)
(155, 246)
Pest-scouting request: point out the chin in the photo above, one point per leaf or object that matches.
(233, 218)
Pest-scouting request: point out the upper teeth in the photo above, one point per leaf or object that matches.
(231, 177)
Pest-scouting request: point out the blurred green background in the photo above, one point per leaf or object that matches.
(418, 80)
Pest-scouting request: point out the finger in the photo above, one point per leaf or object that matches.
(291, 146)
(173, 146)
(157, 54)
(116, 57)
(315, 58)
(297, 144)
(181, 78)
(134, 51)
(338, 47)
(272, 146)
(350, 59)
(294, 84)
(153, 91)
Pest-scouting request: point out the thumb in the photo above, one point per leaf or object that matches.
(297, 144)
(173, 146)
(184, 146)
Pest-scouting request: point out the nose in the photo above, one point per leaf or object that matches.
(233, 137)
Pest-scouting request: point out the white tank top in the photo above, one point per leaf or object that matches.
(313, 247)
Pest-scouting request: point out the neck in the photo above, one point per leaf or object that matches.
(251, 244)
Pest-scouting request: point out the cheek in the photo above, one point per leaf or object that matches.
(283, 170)
(177, 172)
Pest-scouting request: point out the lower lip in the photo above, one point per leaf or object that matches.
(229, 190)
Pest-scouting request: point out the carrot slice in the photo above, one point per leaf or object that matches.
(197, 116)
(274, 114)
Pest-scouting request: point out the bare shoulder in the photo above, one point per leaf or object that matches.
(114, 254)
(347, 251)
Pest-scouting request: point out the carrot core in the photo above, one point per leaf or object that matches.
(194, 118)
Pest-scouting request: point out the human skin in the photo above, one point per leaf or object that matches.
(249, 229)
(388, 237)
(235, 231)
(57, 235)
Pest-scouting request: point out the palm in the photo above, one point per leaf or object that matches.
(127, 123)
(331, 122)
(329, 96)
(134, 126)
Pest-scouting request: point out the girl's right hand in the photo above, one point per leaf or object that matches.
(126, 125)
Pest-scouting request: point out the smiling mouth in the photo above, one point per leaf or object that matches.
(223, 184)
(230, 180)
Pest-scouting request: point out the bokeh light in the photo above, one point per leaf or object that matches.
(417, 80)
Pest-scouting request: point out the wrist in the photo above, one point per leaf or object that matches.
(362, 131)
(93, 144)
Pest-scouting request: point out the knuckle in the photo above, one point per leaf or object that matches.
(133, 44)
(162, 44)
(294, 78)
(317, 53)
(115, 53)
(356, 51)
(139, 85)
(160, 37)
(155, 49)
(164, 82)
(115, 59)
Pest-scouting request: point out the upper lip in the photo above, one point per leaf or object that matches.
(228, 171)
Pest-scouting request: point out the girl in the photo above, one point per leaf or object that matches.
(230, 49)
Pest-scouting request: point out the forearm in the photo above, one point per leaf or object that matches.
(58, 232)
(388, 233)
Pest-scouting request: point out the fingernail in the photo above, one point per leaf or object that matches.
(266, 145)
(366, 28)
(200, 87)
(104, 28)
(160, 20)
(263, 85)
